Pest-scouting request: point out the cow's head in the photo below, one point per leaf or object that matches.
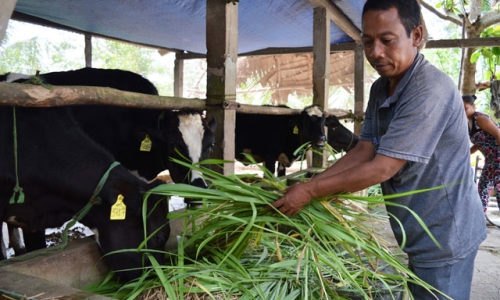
(119, 227)
(308, 127)
(188, 135)
(339, 137)
(313, 126)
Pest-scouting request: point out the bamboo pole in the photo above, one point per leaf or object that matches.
(17, 94)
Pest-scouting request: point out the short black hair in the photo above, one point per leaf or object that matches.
(408, 11)
(469, 99)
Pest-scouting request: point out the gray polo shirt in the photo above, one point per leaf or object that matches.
(424, 123)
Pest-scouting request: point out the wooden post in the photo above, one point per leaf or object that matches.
(222, 53)
(359, 84)
(6, 9)
(88, 50)
(321, 67)
(178, 77)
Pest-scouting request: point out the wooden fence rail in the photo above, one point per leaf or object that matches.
(28, 95)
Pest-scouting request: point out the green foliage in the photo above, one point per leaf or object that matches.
(453, 6)
(21, 57)
(490, 55)
(56, 50)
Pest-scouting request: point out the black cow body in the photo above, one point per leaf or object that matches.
(142, 140)
(59, 167)
(271, 138)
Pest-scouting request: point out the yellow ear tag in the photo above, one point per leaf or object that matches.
(295, 130)
(119, 209)
(146, 144)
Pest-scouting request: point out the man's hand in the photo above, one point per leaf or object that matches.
(295, 198)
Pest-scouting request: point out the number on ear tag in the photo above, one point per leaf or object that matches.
(295, 130)
(146, 144)
(119, 209)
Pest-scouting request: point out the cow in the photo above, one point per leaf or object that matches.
(142, 140)
(339, 137)
(51, 170)
(124, 130)
(272, 138)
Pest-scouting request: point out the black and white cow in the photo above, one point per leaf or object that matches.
(124, 130)
(143, 140)
(58, 168)
(339, 137)
(272, 138)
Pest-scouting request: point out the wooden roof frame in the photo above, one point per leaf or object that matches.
(222, 55)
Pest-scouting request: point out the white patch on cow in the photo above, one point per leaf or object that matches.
(16, 76)
(192, 131)
(314, 111)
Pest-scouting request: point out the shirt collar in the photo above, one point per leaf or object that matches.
(386, 102)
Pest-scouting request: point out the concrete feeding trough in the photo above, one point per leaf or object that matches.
(55, 275)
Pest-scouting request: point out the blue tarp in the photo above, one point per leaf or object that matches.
(180, 24)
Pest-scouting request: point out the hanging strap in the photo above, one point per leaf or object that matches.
(17, 189)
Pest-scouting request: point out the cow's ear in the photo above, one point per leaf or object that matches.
(332, 121)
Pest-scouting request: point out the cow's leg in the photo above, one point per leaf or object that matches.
(15, 240)
(270, 165)
(35, 240)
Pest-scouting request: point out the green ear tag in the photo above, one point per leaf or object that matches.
(119, 209)
(295, 130)
(146, 144)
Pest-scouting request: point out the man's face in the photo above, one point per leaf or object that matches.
(387, 46)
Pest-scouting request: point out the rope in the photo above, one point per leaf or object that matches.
(17, 189)
(94, 200)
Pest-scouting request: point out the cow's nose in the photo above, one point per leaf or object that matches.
(320, 143)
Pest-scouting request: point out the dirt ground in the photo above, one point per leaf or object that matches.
(486, 281)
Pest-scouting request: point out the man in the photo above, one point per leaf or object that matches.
(414, 137)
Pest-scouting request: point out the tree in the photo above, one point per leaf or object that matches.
(474, 17)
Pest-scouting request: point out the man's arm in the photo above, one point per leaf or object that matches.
(362, 152)
(362, 174)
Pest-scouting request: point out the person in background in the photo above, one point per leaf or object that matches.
(485, 136)
(414, 137)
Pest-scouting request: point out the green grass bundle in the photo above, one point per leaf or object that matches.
(235, 246)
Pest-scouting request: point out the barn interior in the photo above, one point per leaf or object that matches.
(312, 45)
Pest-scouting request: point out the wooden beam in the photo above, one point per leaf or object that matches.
(266, 110)
(342, 47)
(321, 60)
(359, 85)
(339, 18)
(88, 50)
(6, 9)
(321, 68)
(222, 55)
(463, 43)
(17, 94)
(178, 77)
